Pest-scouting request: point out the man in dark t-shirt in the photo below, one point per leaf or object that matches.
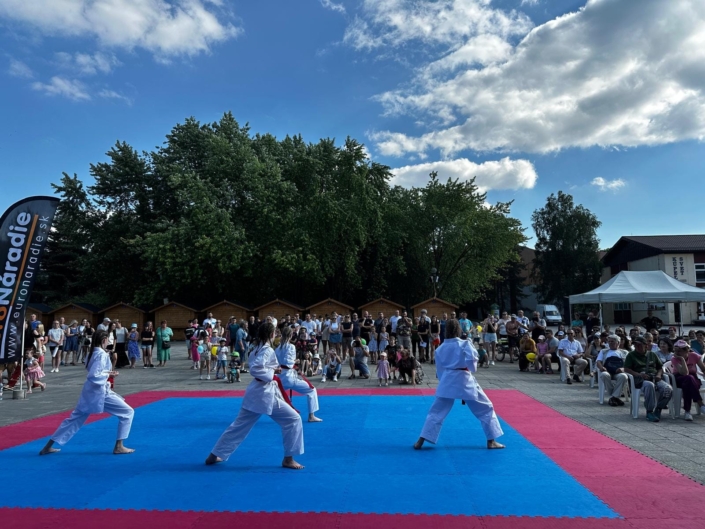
(368, 326)
(651, 321)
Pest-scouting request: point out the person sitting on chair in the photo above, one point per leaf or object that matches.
(610, 368)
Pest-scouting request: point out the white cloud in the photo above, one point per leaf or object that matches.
(529, 2)
(499, 174)
(88, 64)
(20, 69)
(446, 22)
(614, 73)
(112, 94)
(329, 4)
(60, 86)
(167, 29)
(608, 185)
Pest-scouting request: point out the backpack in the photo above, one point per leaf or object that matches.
(612, 364)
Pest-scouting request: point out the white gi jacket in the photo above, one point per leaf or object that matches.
(96, 387)
(286, 356)
(453, 356)
(263, 394)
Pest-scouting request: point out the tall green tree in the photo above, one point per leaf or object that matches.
(61, 278)
(567, 259)
(451, 228)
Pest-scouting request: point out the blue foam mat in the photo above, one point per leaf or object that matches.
(358, 460)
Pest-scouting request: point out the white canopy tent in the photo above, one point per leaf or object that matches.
(641, 287)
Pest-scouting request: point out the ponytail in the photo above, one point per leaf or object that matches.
(96, 342)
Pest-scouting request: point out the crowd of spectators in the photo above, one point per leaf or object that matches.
(398, 345)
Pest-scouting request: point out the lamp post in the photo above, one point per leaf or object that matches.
(434, 280)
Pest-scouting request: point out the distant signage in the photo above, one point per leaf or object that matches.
(677, 267)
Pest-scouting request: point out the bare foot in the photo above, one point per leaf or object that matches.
(290, 463)
(494, 445)
(418, 444)
(48, 449)
(122, 450)
(313, 418)
(213, 459)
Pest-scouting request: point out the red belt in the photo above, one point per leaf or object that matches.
(281, 389)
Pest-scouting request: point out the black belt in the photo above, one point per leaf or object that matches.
(285, 367)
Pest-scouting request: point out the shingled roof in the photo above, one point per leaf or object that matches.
(630, 248)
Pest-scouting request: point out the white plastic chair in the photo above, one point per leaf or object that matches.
(600, 388)
(595, 377)
(634, 396)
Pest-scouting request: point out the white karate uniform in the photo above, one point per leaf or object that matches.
(96, 397)
(456, 360)
(286, 356)
(262, 397)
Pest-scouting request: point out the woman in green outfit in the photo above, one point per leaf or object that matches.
(164, 336)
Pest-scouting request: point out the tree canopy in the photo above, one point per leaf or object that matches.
(567, 249)
(219, 213)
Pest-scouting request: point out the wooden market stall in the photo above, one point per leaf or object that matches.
(177, 317)
(278, 308)
(76, 311)
(435, 306)
(383, 305)
(127, 314)
(225, 309)
(327, 306)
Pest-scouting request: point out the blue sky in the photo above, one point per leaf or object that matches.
(602, 99)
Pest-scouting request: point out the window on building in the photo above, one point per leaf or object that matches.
(700, 272)
(622, 306)
(657, 306)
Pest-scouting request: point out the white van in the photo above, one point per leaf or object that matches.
(550, 314)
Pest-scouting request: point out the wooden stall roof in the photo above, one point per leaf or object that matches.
(174, 303)
(229, 303)
(330, 301)
(84, 306)
(434, 301)
(40, 308)
(281, 302)
(381, 301)
(123, 304)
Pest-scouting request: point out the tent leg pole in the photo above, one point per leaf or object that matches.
(602, 323)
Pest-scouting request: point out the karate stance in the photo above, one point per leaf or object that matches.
(96, 397)
(286, 356)
(263, 396)
(456, 360)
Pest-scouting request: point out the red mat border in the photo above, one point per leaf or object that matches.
(639, 489)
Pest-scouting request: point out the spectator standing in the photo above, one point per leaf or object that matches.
(383, 369)
(325, 333)
(415, 338)
(393, 330)
(423, 329)
(537, 326)
(105, 326)
(651, 321)
(523, 322)
(434, 338)
(368, 327)
(443, 321)
(512, 327)
(56, 340)
(489, 327)
(346, 328)
(71, 343)
(121, 345)
(404, 325)
(147, 339)
(210, 320)
(336, 334)
(465, 325)
(164, 334)
(133, 345)
(578, 322)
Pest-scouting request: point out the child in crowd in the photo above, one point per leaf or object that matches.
(205, 354)
(383, 369)
(483, 359)
(393, 358)
(133, 345)
(234, 365)
(316, 364)
(32, 372)
(194, 356)
(214, 342)
(372, 346)
(383, 339)
(223, 353)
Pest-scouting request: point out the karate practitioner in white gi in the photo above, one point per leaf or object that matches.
(286, 356)
(456, 360)
(96, 397)
(263, 397)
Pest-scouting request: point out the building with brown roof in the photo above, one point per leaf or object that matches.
(327, 306)
(680, 256)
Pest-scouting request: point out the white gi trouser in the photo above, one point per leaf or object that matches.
(481, 407)
(283, 414)
(114, 405)
(303, 388)
(613, 384)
